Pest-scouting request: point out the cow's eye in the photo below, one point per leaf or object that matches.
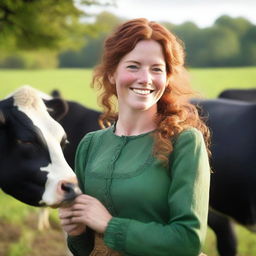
(64, 143)
(23, 142)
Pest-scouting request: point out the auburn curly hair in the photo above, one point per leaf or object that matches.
(174, 111)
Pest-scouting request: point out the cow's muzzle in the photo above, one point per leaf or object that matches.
(71, 191)
(67, 191)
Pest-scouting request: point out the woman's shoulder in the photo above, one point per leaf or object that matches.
(190, 143)
(95, 135)
(190, 134)
(191, 131)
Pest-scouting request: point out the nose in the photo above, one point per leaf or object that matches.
(68, 187)
(69, 190)
(145, 77)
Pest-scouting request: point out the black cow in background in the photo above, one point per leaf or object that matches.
(78, 121)
(239, 94)
(233, 190)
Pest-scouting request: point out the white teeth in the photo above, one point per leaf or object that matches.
(141, 91)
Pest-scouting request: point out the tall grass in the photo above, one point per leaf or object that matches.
(74, 84)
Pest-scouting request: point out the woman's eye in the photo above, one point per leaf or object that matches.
(157, 69)
(132, 67)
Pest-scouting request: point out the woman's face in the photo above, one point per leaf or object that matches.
(140, 77)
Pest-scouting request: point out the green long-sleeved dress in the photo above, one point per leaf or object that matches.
(156, 210)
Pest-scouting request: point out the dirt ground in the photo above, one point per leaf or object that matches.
(49, 242)
(8, 234)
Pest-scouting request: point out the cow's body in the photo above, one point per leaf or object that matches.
(239, 94)
(233, 190)
(32, 166)
(78, 121)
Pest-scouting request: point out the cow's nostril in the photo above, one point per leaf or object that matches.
(67, 187)
(69, 191)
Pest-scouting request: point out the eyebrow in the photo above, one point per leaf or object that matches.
(137, 62)
(132, 61)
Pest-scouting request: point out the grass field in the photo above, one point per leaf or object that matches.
(75, 83)
(18, 231)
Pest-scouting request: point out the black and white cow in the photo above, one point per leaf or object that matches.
(32, 165)
(233, 183)
(239, 94)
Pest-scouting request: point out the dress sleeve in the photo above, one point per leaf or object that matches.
(83, 244)
(188, 199)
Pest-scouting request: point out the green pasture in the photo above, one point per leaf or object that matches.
(18, 231)
(75, 83)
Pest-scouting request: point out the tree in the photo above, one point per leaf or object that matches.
(248, 54)
(189, 33)
(106, 21)
(35, 24)
(217, 47)
(87, 57)
(90, 54)
(239, 25)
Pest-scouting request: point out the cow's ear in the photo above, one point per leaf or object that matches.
(2, 118)
(56, 93)
(57, 108)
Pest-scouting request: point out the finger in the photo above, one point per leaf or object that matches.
(64, 209)
(79, 206)
(70, 228)
(67, 214)
(84, 198)
(67, 221)
(79, 213)
(78, 220)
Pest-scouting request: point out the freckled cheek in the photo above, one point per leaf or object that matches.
(126, 79)
(160, 83)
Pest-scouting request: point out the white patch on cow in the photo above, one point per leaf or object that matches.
(28, 88)
(29, 102)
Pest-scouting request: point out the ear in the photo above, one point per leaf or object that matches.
(111, 79)
(168, 81)
(55, 93)
(2, 118)
(57, 108)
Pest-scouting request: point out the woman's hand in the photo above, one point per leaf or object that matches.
(88, 211)
(72, 229)
(91, 212)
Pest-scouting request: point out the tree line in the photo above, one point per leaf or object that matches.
(228, 42)
(73, 44)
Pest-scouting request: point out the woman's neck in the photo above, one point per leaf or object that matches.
(135, 123)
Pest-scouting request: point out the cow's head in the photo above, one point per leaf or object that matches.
(32, 166)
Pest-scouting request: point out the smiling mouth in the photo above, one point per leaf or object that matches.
(142, 91)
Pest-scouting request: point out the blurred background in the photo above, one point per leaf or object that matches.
(54, 44)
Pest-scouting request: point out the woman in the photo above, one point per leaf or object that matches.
(146, 177)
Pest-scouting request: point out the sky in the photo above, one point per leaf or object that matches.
(201, 12)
